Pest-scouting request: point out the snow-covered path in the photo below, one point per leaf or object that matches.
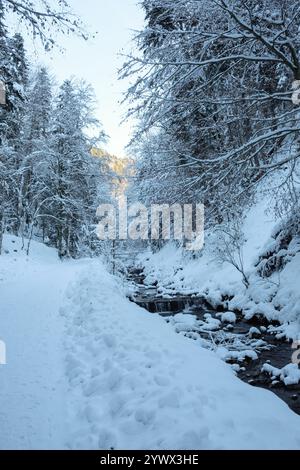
(87, 369)
(33, 389)
(136, 384)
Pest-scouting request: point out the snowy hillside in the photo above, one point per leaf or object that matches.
(88, 369)
(275, 296)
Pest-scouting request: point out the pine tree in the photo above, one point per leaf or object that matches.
(49, 182)
(4, 69)
(73, 173)
(15, 111)
(35, 149)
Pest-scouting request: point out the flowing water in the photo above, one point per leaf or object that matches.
(277, 352)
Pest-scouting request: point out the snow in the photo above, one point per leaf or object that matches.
(228, 317)
(254, 332)
(238, 356)
(289, 375)
(88, 369)
(276, 297)
(174, 270)
(33, 388)
(139, 385)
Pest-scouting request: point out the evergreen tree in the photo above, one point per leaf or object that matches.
(4, 69)
(50, 184)
(73, 173)
(35, 149)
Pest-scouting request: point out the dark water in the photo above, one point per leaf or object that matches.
(279, 354)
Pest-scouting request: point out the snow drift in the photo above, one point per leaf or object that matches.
(87, 369)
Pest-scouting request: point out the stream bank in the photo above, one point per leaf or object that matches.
(248, 346)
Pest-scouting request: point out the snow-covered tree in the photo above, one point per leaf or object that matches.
(73, 176)
(35, 149)
(13, 74)
(214, 78)
(42, 17)
(51, 184)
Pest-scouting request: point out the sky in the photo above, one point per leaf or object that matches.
(97, 61)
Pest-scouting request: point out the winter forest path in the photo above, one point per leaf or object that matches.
(33, 388)
(88, 369)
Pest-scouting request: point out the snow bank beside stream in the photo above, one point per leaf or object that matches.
(276, 297)
(135, 383)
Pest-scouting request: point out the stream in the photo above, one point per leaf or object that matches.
(249, 344)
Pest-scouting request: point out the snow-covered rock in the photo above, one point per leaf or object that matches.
(290, 374)
(228, 317)
(254, 332)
